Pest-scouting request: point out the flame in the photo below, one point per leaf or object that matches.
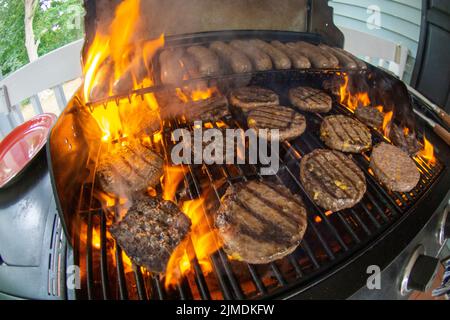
(96, 242)
(127, 263)
(427, 153)
(172, 177)
(203, 94)
(204, 243)
(352, 100)
(115, 58)
(198, 94)
(221, 124)
(380, 108)
(181, 95)
(386, 121)
(406, 131)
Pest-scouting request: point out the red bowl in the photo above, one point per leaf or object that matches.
(21, 146)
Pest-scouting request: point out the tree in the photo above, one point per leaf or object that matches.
(55, 23)
(13, 54)
(30, 42)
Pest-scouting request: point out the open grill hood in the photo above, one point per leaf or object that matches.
(178, 17)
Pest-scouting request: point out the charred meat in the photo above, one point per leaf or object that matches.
(151, 231)
(129, 168)
(212, 109)
(371, 117)
(394, 168)
(289, 122)
(260, 222)
(310, 99)
(248, 98)
(345, 134)
(332, 179)
(405, 139)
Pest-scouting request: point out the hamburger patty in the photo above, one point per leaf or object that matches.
(289, 122)
(248, 98)
(260, 222)
(310, 99)
(369, 116)
(394, 168)
(151, 231)
(345, 134)
(212, 109)
(128, 169)
(406, 141)
(332, 179)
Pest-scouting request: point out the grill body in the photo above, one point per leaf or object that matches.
(331, 261)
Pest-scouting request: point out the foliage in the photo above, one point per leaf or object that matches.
(56, 23)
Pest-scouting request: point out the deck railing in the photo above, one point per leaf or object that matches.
(50, 71)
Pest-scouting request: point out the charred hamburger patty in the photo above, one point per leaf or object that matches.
(369, 116)
(129, 168)
(289, 122)
(151, 231)
(310, 99)
(406, 141)
(394, 168)
(212, 109)
(260, 222)
(332, 179)
(248, 98)
(345, 134)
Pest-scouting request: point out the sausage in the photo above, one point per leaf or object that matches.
(280, 60)
(207, 61)
(359, 63)
(189, 66)
(172, 71)
(238, 61)
(344, 60)
(313, 53)
(330, 56)
(260, 60)
(298, 60)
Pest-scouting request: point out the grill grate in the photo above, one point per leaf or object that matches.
(329, 240)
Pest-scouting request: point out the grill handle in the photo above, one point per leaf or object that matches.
(442, 133)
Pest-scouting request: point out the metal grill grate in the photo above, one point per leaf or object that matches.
(329, 240)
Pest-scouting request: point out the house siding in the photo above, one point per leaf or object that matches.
(400, 22)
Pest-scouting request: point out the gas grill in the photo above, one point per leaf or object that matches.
(338, 247)
(331, 241)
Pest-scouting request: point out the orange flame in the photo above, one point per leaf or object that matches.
(386, 121)
(172, 177)
(197, 94)
(181, 95)
(204, 243)
(115, 58)
(350, 100)
(427, 153)
(203, 94)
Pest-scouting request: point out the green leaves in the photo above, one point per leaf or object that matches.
(56, 23)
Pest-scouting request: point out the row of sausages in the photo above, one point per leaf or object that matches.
(240, 56)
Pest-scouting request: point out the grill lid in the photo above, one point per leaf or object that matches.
(216, 15)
